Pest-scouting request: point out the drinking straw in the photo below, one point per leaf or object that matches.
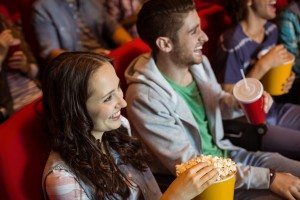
(245, 80)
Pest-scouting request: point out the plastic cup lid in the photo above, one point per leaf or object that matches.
(250, 94)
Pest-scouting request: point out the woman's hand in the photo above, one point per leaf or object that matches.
(289, 83)
(191, 183)
(276, 56)
(286, 185)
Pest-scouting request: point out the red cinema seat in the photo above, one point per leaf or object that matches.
(3, 11)
(123, 55)
(24, 150)
(214, 20)
(280, 4)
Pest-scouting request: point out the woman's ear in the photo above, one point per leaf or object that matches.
(164, 44)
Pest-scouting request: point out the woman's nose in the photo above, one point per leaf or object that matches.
(122, 103)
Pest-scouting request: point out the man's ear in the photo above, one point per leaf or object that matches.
(164, 44)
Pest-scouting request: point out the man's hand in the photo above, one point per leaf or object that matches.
(286, 186)
(268, 101)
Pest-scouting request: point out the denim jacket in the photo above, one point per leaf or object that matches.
(55, 24)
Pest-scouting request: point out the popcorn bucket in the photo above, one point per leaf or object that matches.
(220, 190)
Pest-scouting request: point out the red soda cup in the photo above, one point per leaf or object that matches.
(249, 93)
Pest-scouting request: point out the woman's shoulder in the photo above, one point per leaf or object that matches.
(59, 181)
(55, 163)
(61, 184)
(55, 160)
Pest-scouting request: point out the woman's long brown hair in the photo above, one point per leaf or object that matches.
(65, 92)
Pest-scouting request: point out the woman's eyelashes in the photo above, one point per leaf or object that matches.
(116, 92)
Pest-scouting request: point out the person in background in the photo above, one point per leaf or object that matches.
(125, 12)
(250, 44)
(75, 25)
(241, 47)
(289, 36)
(18, 70)
(93, 155)
(175, 104)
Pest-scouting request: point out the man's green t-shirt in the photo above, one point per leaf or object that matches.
(192, 97)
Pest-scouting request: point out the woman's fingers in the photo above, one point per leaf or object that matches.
(289, 83)
(207, 176)
(203, 175)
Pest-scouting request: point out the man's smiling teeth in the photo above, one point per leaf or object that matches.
(116, 114)
(198, 48)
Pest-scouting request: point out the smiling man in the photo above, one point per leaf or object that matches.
(175, 104)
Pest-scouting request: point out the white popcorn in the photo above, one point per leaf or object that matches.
(225, 166)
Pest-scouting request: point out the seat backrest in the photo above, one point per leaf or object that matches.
(281, 4)
(24, 149)
(123, 55)
(211, 14)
